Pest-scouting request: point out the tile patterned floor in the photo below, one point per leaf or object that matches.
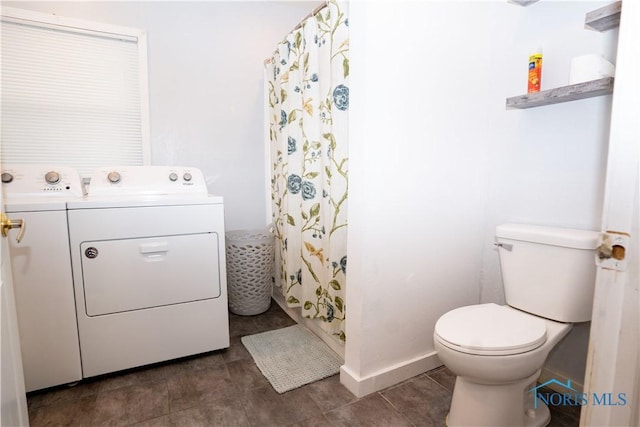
(225, 388)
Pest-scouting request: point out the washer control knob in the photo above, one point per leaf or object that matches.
(114, 177)
(52, 177)
(6, 177)
(187, 176)
(173, 177)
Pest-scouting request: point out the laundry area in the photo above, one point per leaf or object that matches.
(114, 290)
(441, 195)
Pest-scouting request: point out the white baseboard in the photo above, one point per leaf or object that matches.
(547, 375)
(371, 383)
(361, 386)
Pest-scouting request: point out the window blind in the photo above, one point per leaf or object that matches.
(73, 95)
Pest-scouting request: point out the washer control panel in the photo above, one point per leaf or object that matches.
(28, 180)
(147, 180)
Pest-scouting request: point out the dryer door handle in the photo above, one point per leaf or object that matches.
(154, 248)
(7, 224)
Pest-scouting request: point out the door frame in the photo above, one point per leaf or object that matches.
(613, 362)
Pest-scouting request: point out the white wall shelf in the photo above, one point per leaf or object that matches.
(568, 93)
(605, 18)
(602, 19)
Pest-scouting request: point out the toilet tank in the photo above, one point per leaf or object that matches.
(549, 272)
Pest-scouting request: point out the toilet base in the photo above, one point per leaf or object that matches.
(496, 404)
(538, 417)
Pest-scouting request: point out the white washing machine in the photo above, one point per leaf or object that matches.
(42, 271)
(148, 256)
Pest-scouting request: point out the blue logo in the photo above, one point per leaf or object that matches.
(571, 397)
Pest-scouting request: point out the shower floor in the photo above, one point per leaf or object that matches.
(226, 388)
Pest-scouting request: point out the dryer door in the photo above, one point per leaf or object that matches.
(132, 274)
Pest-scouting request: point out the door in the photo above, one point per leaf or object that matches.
(12, 392)
(613, 363)
(134, 274)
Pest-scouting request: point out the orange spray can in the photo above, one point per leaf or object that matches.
(535, 71)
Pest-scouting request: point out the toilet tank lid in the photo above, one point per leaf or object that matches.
(565, 237)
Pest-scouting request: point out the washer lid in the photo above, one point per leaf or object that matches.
(491, 329)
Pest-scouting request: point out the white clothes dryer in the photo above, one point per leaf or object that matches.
(41, 267)
(148, 255)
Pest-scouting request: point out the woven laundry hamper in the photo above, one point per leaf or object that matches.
(250, 260)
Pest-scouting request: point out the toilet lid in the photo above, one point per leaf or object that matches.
(491, 329)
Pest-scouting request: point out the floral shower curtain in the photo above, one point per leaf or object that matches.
(308, 104)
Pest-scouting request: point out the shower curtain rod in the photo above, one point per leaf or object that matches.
(313, 13)
(299, 25)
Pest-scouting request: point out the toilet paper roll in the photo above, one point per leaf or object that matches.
(590, 67)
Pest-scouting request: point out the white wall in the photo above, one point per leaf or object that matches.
(205, 84)
(437, 162)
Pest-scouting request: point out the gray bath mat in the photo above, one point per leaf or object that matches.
(292, 357)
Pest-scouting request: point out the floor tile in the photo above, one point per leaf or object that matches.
(226, 388)
(63, 393)
(246, 375)
(236, 351)
(444, 377)
(76, 412)
(329, 393)
(203, 361)
(128, 405)
(222, 412)
(317, 421)
(371, 410)
(423, 401)
(273, 320)
(265, 407)
(153, 373)
(565, 416)
(240, 326)
(162, 421)
(200, 386)
(136, 376)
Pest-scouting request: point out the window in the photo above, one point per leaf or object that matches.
(74, 92)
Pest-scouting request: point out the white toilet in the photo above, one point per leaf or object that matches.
(497, 351)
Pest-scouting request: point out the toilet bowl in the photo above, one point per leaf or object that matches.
(497, 351)
(495, 343)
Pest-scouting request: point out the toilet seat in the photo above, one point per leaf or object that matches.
(490, 329)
